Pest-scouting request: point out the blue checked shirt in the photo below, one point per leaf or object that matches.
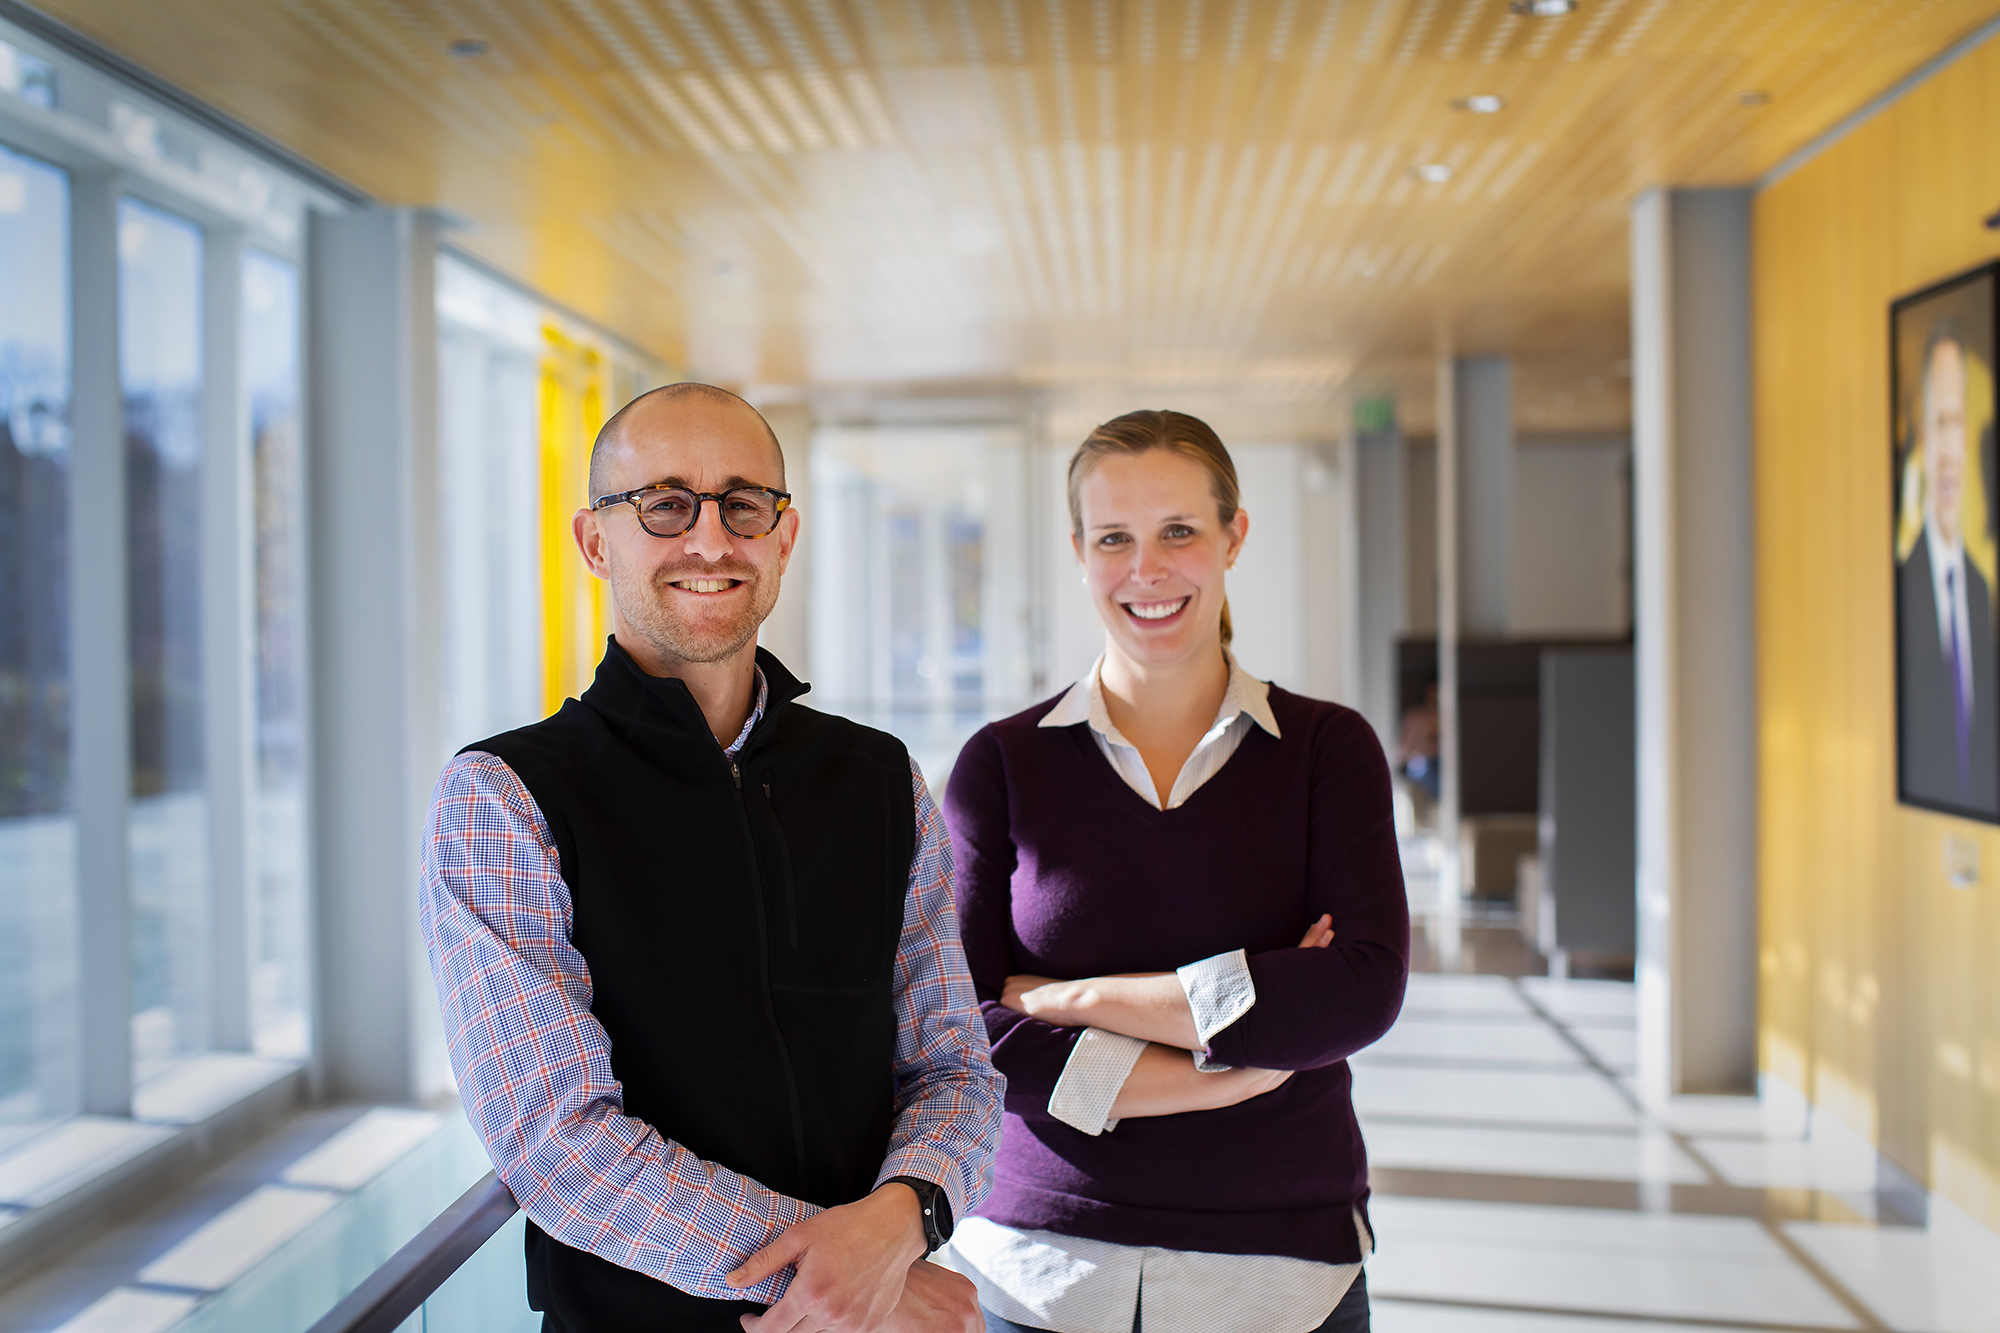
(534, 1066)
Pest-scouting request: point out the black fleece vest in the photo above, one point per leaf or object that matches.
(740, 924)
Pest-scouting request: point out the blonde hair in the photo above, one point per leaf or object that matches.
(1177, 433)
(1974, 523)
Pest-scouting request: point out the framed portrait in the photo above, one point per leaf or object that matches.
(1941, 343)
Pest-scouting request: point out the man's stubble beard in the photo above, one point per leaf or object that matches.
(646, 605)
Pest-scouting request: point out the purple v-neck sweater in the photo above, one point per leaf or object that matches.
(1065, 871)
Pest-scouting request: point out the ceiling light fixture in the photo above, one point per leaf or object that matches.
(1433, 173)
(468, 47)
(1543, 9)
(1479, 104)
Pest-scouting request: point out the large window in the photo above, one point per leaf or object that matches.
(920, 598)
(159, 352)
(522, 390)
(490, 525)
(37, 837)
(279, 923)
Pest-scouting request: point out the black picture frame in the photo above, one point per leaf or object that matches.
(1945, 570)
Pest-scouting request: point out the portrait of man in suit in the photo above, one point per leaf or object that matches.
(1947, 657)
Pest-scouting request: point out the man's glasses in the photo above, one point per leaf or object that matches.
(670, 511)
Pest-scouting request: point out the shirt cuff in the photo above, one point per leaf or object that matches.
(1219, 991)
(1096, 1070)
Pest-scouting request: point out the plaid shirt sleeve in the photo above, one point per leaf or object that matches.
(534, 1066)
(948, 1094)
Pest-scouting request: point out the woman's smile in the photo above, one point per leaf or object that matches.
(1157, 611)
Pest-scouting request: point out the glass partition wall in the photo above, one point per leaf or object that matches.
(522, 391)
(920, 590)
(490, 542)
(152, 497)
(152, 527)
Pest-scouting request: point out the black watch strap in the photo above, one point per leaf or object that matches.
(936, 1206)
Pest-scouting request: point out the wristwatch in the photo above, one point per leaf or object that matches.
(936, 1207)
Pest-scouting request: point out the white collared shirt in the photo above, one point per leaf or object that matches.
(1071, 1284)
(1246, 702)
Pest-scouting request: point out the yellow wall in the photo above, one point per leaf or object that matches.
(575, 621)
(1880, 981)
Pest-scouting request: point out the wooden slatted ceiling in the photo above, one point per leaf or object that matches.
(1159, 194)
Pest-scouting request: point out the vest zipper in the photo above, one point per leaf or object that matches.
(764, 978)
(784, 865)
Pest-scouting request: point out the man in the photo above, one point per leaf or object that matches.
(696, 947)
(1950, 743)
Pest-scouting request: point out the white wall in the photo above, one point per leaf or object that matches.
(787, 631)
(1267, 589)
(1074, 638)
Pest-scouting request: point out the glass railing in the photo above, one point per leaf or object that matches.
(457, 1273)
(337, 1258)
(488, 1293)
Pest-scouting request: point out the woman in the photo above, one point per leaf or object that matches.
(1136, 860)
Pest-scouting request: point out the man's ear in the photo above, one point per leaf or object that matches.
(788, 537)
(590, 540)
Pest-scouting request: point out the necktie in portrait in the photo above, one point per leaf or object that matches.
(1961, 704)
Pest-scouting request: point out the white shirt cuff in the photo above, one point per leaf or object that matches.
(1092, 1077)
(1219, 991)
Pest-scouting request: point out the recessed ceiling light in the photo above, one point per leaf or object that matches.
(1543, 9)
(1479, 104)
(1433, 173)
(468, 47)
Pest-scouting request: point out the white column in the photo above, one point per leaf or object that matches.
(1379, 574)
(377, 713)
(1484, 407)
(229, 641)
(100, 651)
(1475, 478)
(1328, 542)
(1448, 600)
(1695, 658)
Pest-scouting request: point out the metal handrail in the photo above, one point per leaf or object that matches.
(392, 1293)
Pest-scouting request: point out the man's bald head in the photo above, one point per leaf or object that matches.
(664, 400)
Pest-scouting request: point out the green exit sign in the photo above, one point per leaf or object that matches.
(1374, 416)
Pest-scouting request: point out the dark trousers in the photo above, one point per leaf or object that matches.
(1350, 1316)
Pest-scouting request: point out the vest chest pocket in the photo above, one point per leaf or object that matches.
(827, 911)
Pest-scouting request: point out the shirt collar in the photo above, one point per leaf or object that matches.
(1084, 702)
(756, 715)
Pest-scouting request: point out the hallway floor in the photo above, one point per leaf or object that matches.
(1520, 1186)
